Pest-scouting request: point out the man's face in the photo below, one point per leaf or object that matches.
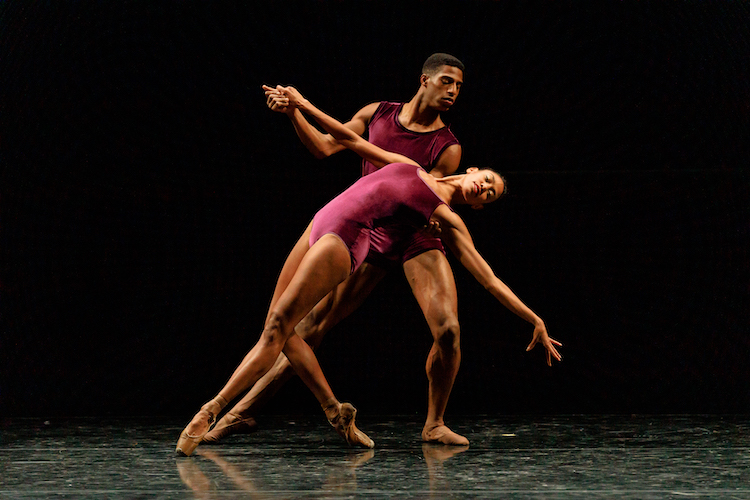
(443, 87)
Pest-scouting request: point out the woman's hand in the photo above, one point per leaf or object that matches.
(540, 335)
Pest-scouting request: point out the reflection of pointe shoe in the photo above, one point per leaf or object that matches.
(441, 434)
(199, 426)
(359, 458)
(230, 424)
(343, 422)
(193, 477)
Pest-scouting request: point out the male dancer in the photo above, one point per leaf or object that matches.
(416, 130)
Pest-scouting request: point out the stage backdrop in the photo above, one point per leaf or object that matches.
(149, 199)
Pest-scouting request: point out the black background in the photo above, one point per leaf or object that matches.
(149, 199)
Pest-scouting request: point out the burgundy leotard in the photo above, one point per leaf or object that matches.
(395, 244)
(395, 194)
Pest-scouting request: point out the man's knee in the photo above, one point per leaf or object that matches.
(447, 335)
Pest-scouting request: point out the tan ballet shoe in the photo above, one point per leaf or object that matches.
(201, 423)
(441, 434)
(230, 424)
(344, 424)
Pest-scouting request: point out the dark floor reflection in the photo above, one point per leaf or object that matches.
(220, 472)
(301, 457)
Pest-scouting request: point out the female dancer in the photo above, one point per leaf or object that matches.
(336, 242)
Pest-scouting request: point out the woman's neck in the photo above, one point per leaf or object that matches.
(449, 189)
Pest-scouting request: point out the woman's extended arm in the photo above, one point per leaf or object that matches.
(456, 235)
(370, 152)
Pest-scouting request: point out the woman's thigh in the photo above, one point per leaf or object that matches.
(326, 264)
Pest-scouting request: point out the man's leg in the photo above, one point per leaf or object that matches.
(337, 305)
(434, 287)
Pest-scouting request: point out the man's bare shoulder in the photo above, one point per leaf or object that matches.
(448, 162)
(361, 118)
(367, 111)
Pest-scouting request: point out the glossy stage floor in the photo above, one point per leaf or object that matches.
(301, 457)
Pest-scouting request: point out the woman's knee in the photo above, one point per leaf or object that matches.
(276, 330)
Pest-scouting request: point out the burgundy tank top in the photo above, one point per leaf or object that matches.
(387, 132)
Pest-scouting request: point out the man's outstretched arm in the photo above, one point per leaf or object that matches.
(320, 144)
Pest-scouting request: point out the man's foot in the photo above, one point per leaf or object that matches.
(439, 453)
(199, 426)
(230, 424)
(341, 416)
(441, 434)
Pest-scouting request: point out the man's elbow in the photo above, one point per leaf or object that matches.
(321, 151)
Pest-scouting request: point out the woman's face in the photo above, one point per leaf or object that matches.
(482, 186)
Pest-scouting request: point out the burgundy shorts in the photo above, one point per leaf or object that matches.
(391, 246)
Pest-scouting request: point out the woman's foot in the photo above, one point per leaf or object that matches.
(199, 426)
(341, 417)
(230, 424)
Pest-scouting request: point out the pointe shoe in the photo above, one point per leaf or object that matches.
(343, 422)
(230, 424)
(200, 424)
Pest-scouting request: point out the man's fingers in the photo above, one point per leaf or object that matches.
(275, 102)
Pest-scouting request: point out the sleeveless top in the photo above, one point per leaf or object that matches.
(385, 131)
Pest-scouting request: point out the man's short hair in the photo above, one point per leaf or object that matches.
(438, 60)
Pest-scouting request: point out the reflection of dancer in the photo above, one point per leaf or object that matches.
(240, 479)
(342, 477)
(204, 481)
(416, 130)
(335, 244)
(434, 456)
(194, 478)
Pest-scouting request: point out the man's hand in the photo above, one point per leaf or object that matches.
(276, 100)
(433, 228)
(283, 99)
(540, 335)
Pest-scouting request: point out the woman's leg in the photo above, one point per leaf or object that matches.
(326, 264)
(288, 270)
(337, 305)
(320, 269)
(340, 415)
